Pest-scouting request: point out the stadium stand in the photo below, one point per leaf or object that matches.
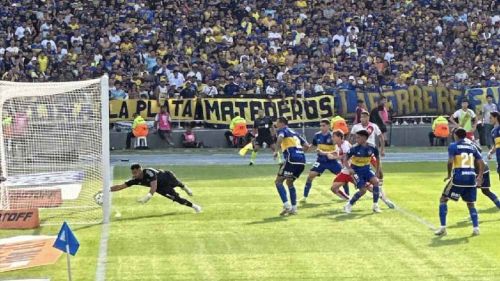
(269, 48)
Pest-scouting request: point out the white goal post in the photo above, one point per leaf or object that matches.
(54, 149)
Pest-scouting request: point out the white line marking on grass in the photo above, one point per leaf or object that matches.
(100, 274)
(415, 217)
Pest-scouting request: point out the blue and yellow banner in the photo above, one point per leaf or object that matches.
(416, 100)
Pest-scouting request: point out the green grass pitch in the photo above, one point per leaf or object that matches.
(239, 236)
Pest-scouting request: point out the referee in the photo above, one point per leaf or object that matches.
(263, 130)
(159, 181)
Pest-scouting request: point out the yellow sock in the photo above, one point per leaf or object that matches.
(245, 149)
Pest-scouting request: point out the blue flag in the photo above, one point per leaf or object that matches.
(66, 238)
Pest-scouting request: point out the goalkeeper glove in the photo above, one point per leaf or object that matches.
(145, 199)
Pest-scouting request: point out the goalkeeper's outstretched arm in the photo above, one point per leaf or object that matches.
(118, 187)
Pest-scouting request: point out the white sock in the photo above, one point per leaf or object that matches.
(287, 205)
(381, 191)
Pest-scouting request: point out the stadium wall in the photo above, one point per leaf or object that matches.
(413, 135)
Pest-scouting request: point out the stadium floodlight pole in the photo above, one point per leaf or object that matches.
(106, 174)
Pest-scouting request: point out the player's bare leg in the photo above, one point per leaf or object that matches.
(337, 191)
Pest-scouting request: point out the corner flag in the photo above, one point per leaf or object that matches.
(66, 240)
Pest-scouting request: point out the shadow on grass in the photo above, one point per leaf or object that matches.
(122, 219)
(339, 215)
(312, 205)
(443, 241)
(355, 215)
(492, 210)
(468, 223)
(268, 220)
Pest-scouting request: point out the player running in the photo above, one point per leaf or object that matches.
(292, 146)
(263, 131)
(464, 160)
(159, 181)
(324, 143)
(374, 131)
(344, 177)
(495, 135)
(360, 156)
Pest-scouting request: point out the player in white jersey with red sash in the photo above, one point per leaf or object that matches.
(344, 177)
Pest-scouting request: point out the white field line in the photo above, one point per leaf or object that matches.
(100, 274)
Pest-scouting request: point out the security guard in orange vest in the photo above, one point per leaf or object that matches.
(440, 130)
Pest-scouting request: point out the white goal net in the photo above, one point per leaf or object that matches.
(54, 149)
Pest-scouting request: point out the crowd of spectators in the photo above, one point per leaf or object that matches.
(168, 48)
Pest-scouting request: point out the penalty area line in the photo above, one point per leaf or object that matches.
(415, 217)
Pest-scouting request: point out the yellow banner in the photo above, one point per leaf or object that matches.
(179, 109)
(221, 110)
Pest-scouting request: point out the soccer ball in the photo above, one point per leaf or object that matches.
(99, 198)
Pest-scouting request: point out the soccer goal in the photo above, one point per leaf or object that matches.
(54, 149)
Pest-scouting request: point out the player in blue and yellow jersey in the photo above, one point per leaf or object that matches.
(495, 135)
(464, 160)
(324, 143)
(292, 146)
(360, 156)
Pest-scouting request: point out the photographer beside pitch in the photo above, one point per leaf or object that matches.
(159, 181)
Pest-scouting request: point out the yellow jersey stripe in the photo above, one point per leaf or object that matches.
(288, 142)
(327, 147)
(361, 161)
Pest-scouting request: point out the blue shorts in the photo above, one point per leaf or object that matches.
(332, 166)
(361, 178)
(486, 180)
(468, 194)
(291, 170)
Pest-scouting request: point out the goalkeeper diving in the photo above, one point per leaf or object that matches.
(158, 181)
